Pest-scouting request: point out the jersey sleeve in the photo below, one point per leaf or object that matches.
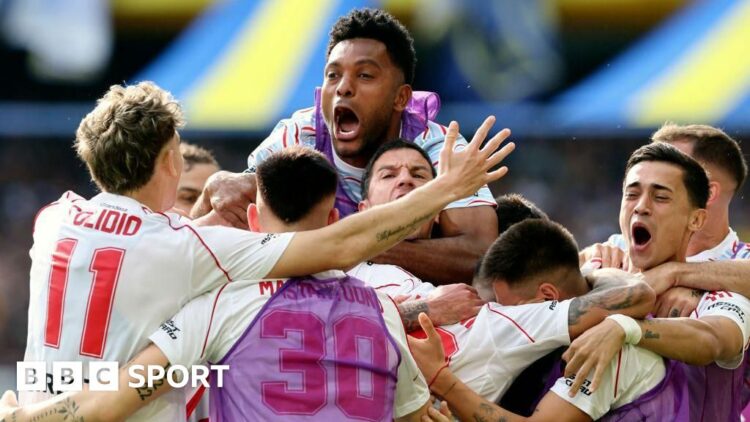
(296, 130)
(545, 322)
(238, 254)
(431, 141)
(411, 389)
(182, 337)
(728, 305)
(632, 373)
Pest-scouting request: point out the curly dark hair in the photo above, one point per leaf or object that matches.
(381, 26)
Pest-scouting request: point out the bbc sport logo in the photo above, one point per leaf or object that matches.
(104, 376)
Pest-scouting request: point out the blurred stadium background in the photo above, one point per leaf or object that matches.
(581, 83)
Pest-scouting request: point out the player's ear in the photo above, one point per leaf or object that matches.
(697, 219)
(252, 218)
(363, 205)
(548, 291)
(713, 191)
(403, 95)
(169, 161)
(333, 216)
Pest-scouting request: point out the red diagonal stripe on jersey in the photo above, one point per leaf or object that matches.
(617, 375)
(514, 323)
(193, 403)
(211, 320)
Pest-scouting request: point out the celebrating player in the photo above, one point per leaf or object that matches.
(366, 100)
(235, 325)
(107, 271)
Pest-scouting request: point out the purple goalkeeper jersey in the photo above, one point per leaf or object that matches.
(317, 350)
(715, 392)
(668, 401)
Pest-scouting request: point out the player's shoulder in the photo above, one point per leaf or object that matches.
(58, 207)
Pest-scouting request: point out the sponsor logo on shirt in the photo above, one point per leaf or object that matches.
(552, 305)
(171, 329)
(584, 387)
(730, 307)
(268, 238)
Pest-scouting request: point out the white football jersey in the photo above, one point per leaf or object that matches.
(209, 326)
(632, 373)
(107, 272)
(391, 280)
(486, 352)
(728, 305)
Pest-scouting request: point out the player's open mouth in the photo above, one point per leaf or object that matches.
(346, 123)
(640, 236)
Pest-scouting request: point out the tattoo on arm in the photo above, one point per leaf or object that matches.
(697, 293)
(651, 335)
(402, 231)
(146, 391)
(487, 413)
(648, 334)
(611, 299)
(410, 311)
(67, 409)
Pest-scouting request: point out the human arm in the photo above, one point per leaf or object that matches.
(730, 275)
(466, 234)
(444, 305)
(465, 403)
(721, 332)
(368, 233)
(95, 406)
(613, 292)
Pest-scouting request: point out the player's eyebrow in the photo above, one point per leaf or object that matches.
(414, 167)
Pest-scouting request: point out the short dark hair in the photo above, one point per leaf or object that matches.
(693, 175)
(380, 26)
(399, 143)
(514, 208)
(710, 146)
(195, 154)
(527, 249)
(294, 180)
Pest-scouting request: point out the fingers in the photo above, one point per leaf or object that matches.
(448, 145)
(9, 399)
(686, 310)
(500, 155)
(580, 378)
(493, 144)
(497, 174)
(598, 372)
(427, 326)
(481, 134)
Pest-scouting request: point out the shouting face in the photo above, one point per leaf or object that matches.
(363, 96)
(656, 216)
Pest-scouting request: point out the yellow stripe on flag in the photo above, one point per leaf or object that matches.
(250, 82)
(707, 82)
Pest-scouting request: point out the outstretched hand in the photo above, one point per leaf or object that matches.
(468, 169)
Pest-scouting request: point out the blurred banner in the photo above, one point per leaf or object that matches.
(545, 68)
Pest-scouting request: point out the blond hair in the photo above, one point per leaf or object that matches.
(122, 137)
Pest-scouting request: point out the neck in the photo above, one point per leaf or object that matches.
(714, 231)
(149, 196)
